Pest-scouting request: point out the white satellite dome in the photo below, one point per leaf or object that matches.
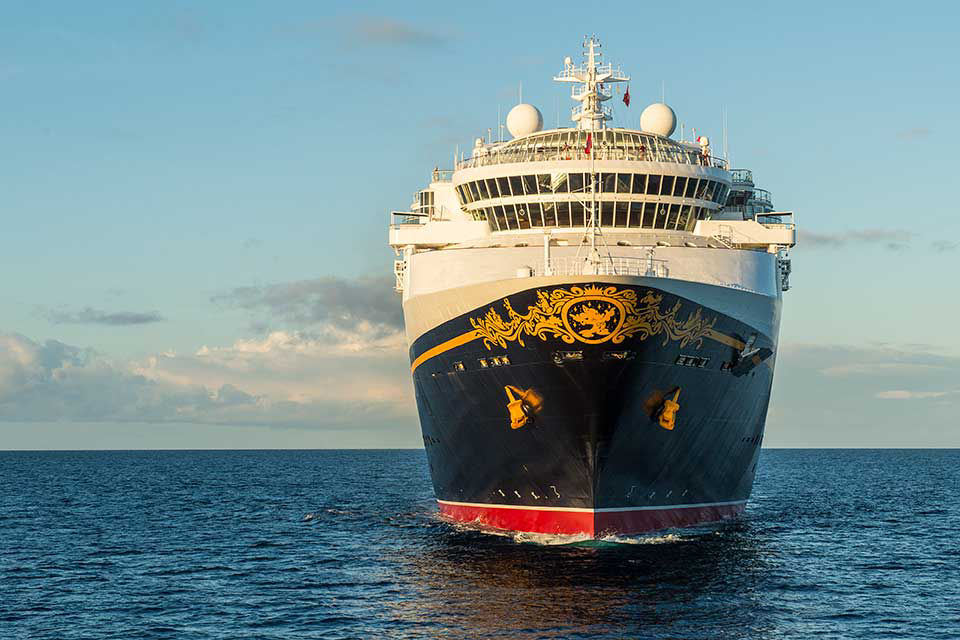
(658, 118)
(524, 119)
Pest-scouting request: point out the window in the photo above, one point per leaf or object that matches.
(579, 215)
(524, 219)
(608, 182)
(691, 188)
(606, 214)
(653, 185)
(501, 214)
(563, 214)
(684, 219)
(492, 216)
(666, 185)
(549, 214)
(482, 188)
(639, 182)
(561, 182)
(672, 216)
(530, 185)
(644, 214)
(474, 194)
(545, 183)
(504, 187)
(660, 219)
(516, 184)
(576, 182)
(679, 186)
(706, 189)
(620, 214)
(492, 188)
(536, 214)
(623, 182)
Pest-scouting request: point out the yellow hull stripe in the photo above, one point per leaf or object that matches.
(723, 338)
(452, 343)
(470, 336)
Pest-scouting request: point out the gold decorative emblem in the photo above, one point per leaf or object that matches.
(592, 315)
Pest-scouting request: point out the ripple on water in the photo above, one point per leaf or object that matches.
(280, 544)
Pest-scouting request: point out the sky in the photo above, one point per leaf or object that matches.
(194, 201)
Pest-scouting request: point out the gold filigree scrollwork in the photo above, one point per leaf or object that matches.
(592, 315)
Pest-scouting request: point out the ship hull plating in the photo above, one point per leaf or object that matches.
(588, 445)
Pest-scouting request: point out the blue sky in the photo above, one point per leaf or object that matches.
(194, 201)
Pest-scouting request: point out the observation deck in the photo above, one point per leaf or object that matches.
(557, 145)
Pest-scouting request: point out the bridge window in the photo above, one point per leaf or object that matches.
(620, 214)
(612, 211)
(606, 214)
(653, 185)
(639, 183)
(530, 185)
(576, 182)
(666, 185)
(679, 186)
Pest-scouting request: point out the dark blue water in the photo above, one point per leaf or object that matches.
(344, 544)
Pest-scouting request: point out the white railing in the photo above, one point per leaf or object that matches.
(607, 266)
(523, 154)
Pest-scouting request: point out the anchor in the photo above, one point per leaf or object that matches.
(668, 412)
(522, 405)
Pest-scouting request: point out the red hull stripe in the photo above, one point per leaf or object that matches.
(592, 522)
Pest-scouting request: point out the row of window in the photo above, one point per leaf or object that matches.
(646, 215)
(635, 183)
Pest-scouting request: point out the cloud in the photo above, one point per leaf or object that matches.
(328, 380)
(841, 396)
(365, 304)
(89, 315)
(900, 394)
(388, 32)
(913, 134)
(878, 369)
(945, 246)
(892, 239)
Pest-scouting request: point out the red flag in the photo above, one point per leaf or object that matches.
(626, 96)
(589, 144)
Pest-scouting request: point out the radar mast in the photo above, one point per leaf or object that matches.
(589, 79)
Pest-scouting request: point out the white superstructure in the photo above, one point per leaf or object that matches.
(565, 204)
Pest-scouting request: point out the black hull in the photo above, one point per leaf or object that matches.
(597, 445)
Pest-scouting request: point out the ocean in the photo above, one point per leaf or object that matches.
(346, 544)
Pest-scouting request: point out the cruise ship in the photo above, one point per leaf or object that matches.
(592, 315)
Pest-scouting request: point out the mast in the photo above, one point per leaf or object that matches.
(589, 80)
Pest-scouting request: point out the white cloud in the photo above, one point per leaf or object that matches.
(844, 396)
(900, 394)
(330, 378)
(878, 369)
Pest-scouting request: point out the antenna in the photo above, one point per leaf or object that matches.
(500, 123)
(590, 90)
(726, 149)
